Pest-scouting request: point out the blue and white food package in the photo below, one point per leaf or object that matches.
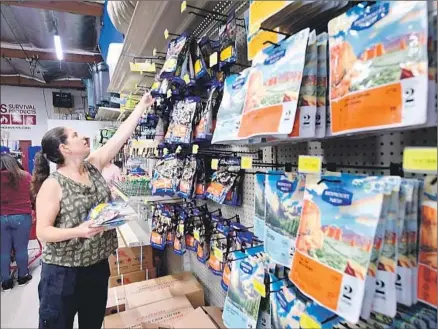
(284, 201)
(259, 205)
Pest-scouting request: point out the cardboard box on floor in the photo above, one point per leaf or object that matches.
(116, 300)
(201, 318)
(128, 278)
(151, 291)
(164, 312)
(130, 259)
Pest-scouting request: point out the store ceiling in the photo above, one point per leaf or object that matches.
(27, 44)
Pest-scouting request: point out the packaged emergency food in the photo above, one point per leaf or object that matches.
(378, 66)
(335, 237)
(223, 180)
(242, 303)
(180, 129)
(321, 85)
(259, 205)
(227, 37)
(230, 109)
(427, 258)
(188, 178)
(175, 56)
(385, 300)
(110, 215)
(207, 121)
(166, 175)
(284, 202)
(273, 89)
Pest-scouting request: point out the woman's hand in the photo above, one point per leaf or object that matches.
(85, 231)
(147, 100)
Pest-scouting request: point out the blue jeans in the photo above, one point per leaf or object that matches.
(15, 231)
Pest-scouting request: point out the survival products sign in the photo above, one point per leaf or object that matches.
(18, 114)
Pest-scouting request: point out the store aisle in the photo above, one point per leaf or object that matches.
(20, 305)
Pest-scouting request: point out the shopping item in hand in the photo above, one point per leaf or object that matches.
(110, 214)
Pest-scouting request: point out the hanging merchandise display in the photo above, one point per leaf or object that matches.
(427, 258)
(259, 205)
(273, 89)
(284, 178)
(284, 202)
(207, 118)
(335, 235)
(322, 112)
(242, 304)
(231, 107)
(378, 67)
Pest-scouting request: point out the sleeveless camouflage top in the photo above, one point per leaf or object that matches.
(77, 200)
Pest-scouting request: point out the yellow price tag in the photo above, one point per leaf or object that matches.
(213, 59)
(219, 254)
(195, 149)
(155, 85)
(226, 53)
(214, 164)
(165, 151)
(183, 6)
(420, 159)
(307, 322)
(198, 66)
(186, 78)
(166, 34)
(309, 164)
(246, 163)
(169, 93)
(142, 67)
(196, 235)
(259, 287)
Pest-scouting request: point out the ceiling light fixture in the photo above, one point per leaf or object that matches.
(58, 47)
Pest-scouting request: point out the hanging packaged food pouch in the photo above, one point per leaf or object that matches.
(234, 256)
(304, 123)
(370, 282)
(413, 238)
(218, 254)
(201, 182)
(159, 231)
(227, 36)
(286, 308)
(259, 205)
(321, 86)
(387, 74)
(385, 299)
(241, 307)
(174, 57)
(284, 203)
(179, 244)
(273, 89)
(223, 179)
(230, 109)
(202, 234)
(427, 257)
(187, 182)
(339, 213)
(404, 272)
(207, 122)
(200, 66)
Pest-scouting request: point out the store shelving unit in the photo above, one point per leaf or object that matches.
(354, 154)
(107, 114)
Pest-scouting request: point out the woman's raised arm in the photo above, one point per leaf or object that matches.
(106, 153)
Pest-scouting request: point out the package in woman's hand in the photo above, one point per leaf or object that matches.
(110, 214)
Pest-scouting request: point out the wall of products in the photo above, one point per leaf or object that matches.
(277, 247)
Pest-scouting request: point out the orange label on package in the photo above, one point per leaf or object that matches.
(371, 108)
(317, 280)
(215, 188)
(254, 122)
(427, 285)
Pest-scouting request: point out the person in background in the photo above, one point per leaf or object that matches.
(16, 220)
(75, 269)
